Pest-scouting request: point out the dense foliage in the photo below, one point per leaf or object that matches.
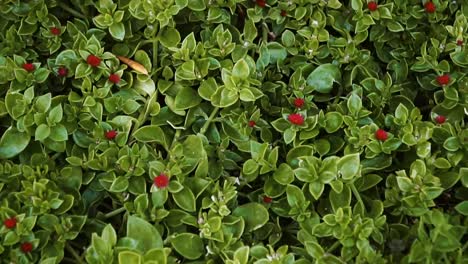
(233, 131)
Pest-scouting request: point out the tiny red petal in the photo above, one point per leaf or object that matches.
(296, 119)
(111, 134)
(430, 7)
(299, 102)
(252, 123)
(372, 6)
(10, 222)
(440, 119)
(283, 13)
(460, 42)
(267, 199)
(381, 135)
(55, 31)
(443, 79)
(114, 78)
(161, 181)
(93, 60)
(26, 247)
(261, 3)
(29, 67)
(62, 71)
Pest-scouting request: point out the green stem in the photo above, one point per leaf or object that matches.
(115, 212)
(265, 31)
(71, 10)
(176, 137)
(155, 56)
(74, 254)
(357, 195)
(334, 246)
(143, 115)
(208, 122)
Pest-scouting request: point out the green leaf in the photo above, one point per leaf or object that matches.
(58, 133)
(323, 77)
(242, 255)
(42, 132)
(56, 114)
(188, 245)
(196, 5)
(109, 235)
(117, 30)
(43, 102)
(349, 166)
(241, 70)
(185, 200)
(170, 37)
(254, 215)
(150, 133)
(146, 235)
(333, 121)
(186, 98)
(462, 208)
(129, 257)
(341, 199)
(284, 174)
(13, 142)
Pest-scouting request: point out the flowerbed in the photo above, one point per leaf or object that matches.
(233, 131)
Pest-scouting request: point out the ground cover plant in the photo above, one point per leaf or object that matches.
(233, 131)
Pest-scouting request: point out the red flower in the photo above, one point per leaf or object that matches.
(252, 123)
(460, 42)
(283, 13)
(267, 199)
(430, 7)
(26, 247)
(10, 222)
(372, 6)
(93, 60)
(440, 119)
(296, 119)
(261, 3)
(29, 67)
(55, 31)
(111, 134)
(161, 181)
(114, 78)
(381, 135)
(443, 79)
(62, 71)
(299, 102)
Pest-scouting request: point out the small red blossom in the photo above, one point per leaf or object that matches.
(267, 199)
(26, 247)
(62, 71)
(161, 181)
(29, 67)
(10, 222)
(299, 102)
(55, 31)
(443, 79)
(252, 123)
(440, 119)
(460, 42)
(283, 13)
(296, 119)
(111, 134)
(372, 6)
(381, 135)
(261, 3)
(430, 7)
(114, 78)
(93, 60)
